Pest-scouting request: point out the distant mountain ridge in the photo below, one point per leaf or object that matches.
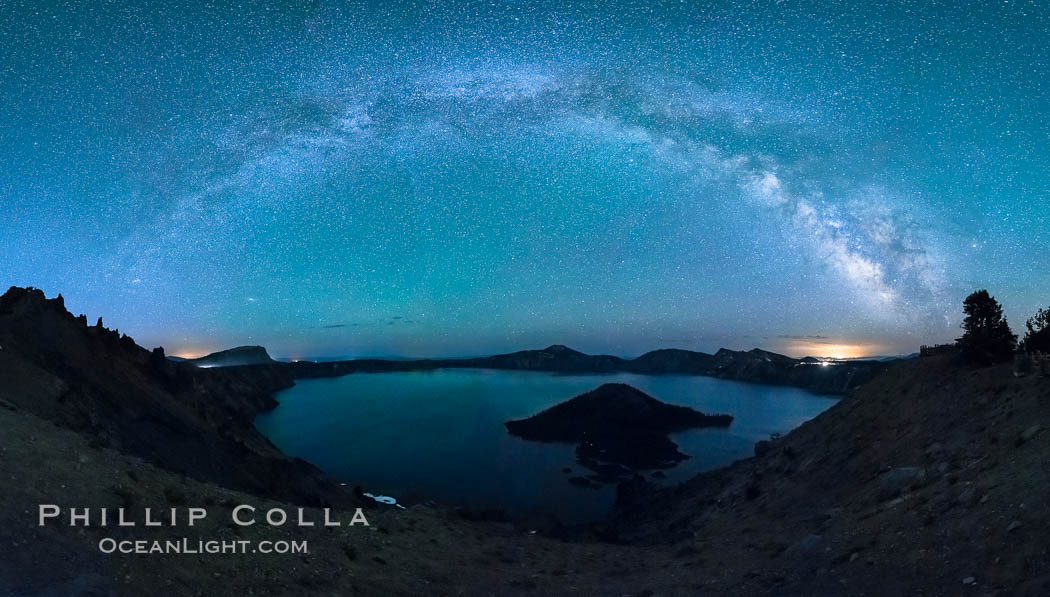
(755, 366)
(241, 355)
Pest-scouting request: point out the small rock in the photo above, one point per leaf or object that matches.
(174, 495)
(969, 580)
(808, 545)
(584, 482)
(900, 479)
(854, 556)
(1029, 433)
(88, 585)
(1013, 526)
(686, 551)
(832, 512)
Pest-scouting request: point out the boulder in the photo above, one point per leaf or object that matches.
(898, 480)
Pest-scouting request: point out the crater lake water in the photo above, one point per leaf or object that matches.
(438, 435)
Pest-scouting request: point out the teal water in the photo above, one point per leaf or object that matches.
(439, 435)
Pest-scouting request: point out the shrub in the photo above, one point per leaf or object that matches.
(1037, 338)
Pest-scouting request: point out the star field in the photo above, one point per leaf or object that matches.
(429, 179)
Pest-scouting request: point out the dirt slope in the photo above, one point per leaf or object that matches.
(930, 480)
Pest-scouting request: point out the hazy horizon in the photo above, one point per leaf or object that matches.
(798, 348)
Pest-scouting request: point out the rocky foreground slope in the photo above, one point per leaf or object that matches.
(185, 419)
(931, 479)
(928, 480)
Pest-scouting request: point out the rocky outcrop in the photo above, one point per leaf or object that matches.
(193, 421)
(615, 407)
(241, 355)
(617, 424)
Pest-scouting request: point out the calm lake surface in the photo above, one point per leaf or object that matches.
(439, 436)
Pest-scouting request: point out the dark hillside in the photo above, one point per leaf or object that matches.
(929, 479)
(194, 421)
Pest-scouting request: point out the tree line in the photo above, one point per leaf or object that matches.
(987, 337)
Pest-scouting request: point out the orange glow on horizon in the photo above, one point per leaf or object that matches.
(832, 350)
(190, 354)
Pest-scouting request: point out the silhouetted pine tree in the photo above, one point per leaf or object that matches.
(1037, 338)
(987, 337)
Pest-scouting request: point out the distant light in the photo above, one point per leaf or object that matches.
(189, 355)
(830, 350)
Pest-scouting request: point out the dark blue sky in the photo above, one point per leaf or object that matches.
(465, 178)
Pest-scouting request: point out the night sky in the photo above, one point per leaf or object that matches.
(455, 178)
